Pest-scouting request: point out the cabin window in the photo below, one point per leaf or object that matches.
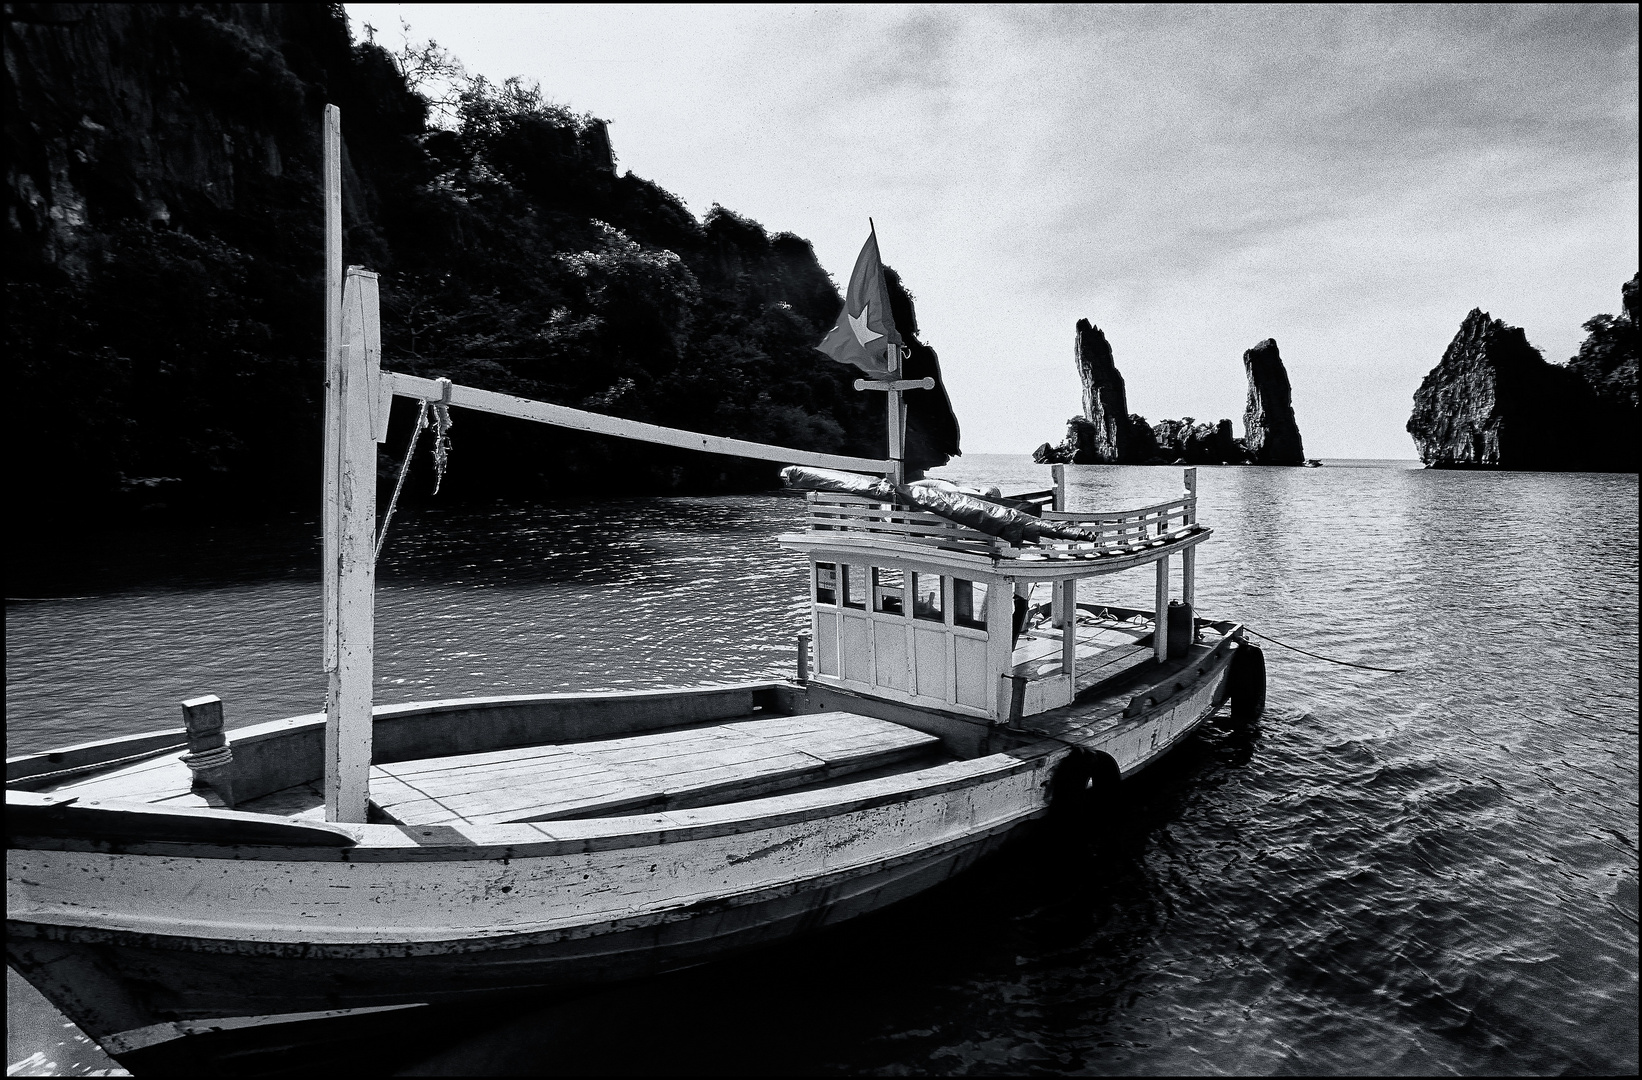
(889, 590)
(855, 586)
(826, 583)
(969, 603)
(926, 597)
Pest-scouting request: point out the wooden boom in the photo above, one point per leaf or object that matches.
(490, 401)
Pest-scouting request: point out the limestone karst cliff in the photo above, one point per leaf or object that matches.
(1271, 436)
(1105, 401)
(163, 262)
(1494, 402)
(1106, 433)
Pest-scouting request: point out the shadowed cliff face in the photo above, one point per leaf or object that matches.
(1105, 401)
(1270, 433)
(1493, 402)
(164, 272)
(196, 116)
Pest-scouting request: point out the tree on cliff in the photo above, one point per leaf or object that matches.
(1607, 359)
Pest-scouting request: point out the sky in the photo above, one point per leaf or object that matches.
(1350, 181)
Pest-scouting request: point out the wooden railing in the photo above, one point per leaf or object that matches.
(1126, 530)
(866, 518)
(1116, 532)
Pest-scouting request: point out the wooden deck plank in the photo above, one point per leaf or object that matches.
(143, 781)
(670, 769)
(1093, 652)
(304, 801)
(450, 781)
(1112, 665)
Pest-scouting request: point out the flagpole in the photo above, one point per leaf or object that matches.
(892, 358)
(897, 429)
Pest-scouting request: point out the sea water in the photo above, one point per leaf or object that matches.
(1433, 871)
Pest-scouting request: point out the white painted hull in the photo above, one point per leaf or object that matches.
(107, 935)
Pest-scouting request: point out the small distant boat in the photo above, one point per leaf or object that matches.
(1313, 463)
(955, 688)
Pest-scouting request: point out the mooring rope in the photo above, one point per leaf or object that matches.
(110, 763)
(404, 470)
(1330, 659)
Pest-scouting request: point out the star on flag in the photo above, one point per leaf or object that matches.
(863, 333)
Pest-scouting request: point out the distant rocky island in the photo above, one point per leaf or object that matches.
(1494, 402)
(1107, 433)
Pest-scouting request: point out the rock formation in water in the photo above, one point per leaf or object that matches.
(1078, 447)
(1105, 401)
(1101, 435)
(1143, 443)
(1494, 402)
(1270, 434)
(1107, 433)
(1196, 444)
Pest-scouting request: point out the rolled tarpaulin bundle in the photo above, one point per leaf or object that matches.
(991, 518)
(842, 483)
(943, 500)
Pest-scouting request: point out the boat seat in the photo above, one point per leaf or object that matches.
(661, 770)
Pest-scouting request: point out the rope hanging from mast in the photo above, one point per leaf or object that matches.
(441, 438)
(404, 470)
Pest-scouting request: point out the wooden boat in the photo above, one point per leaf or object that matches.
(380, 856)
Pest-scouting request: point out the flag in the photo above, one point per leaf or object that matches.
(865, 327)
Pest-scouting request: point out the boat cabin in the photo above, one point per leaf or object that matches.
(911, 607)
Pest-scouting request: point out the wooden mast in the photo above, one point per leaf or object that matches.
(355, 414)
(332, 165)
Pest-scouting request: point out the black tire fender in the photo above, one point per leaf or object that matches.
(1248, 683)
(1083, 787)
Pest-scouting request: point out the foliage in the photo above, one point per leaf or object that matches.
(1607, 359)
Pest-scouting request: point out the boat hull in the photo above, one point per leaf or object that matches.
(199, 979)
(109, 936)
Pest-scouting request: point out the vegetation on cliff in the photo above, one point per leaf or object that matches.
(163, 253)
(1607, 359)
